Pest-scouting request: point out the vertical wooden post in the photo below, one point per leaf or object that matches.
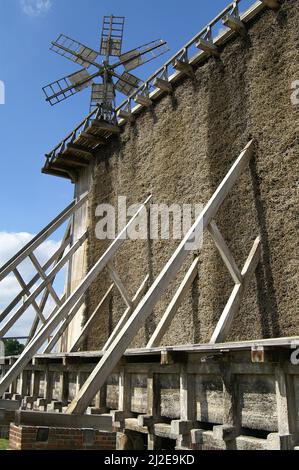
(78, 382)
(23, 384)
(187, 395)
(124, 398)
(35, 381)
(103, 398)
(285, 399)
(153, 408)
(64, 387)
(231, 409)
(48, 388)
(13, 385)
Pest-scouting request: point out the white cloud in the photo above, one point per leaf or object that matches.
(10, 244)
(35, 8)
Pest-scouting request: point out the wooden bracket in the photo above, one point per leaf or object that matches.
(208, 46)
(235, 24)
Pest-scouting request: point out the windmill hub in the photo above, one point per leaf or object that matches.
(112, 79)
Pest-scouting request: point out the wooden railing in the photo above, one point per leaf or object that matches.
(41, 282)
(207, 40)
(63, 314)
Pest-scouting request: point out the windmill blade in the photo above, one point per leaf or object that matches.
(75, 51)
(127, 83)
(112, 35)
(143, 54)
(102, 94)
(65, 87)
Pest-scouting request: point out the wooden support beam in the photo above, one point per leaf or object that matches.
(42, 236)
(67, 238)
(286, 403)
(35, 279)
(235, 24)
(81, 149)
(28, 293)
(92, 138)
(164, 85)
(43, 275)
(136, 299)
(64, 310)
(208, 46)
(125, 395)
(67, 161)
(48, 385)
(231, 403)
(11, 321)
(273, 4)
(184, 67)
(125, 115)
(225, 252)
(90, 321)
(35, 383)
(233, 304)
(174, 305)
(115, 351)
(187, 396)
(105, 126)
(64, 325)
(143, 100)
(119, 284)
(64, 387)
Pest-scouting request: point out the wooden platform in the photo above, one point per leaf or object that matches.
(77, 151)
(240, 395)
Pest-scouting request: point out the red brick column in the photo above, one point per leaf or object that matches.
(37, 438)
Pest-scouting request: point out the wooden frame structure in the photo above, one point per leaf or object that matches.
(95, 131)
(78, 148)
(141, 306)
(41, 282)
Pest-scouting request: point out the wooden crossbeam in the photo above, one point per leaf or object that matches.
(92, 138)
(164, 85)
(273, 4)
(11, 321)
(25, 288)
(233, 304)
(174, 305)
(135, 301)
(64, 310)
(67, 238)
(44, 276)
(78, 343)
(143, 100)
(64, 325)
(41, 236)
(81, 149)
(119, 284)
(184, 67)
(70, 161)
(122, 114)
(33, 281)
(115, 351)
(286, 402)
(225, 252)
(208, 46)
(235, 24)
(105, 126)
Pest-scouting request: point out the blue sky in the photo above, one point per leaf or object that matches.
(29, 126)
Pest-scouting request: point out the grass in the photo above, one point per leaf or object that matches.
(3, 444)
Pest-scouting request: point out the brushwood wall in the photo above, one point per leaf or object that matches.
(180, 150)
